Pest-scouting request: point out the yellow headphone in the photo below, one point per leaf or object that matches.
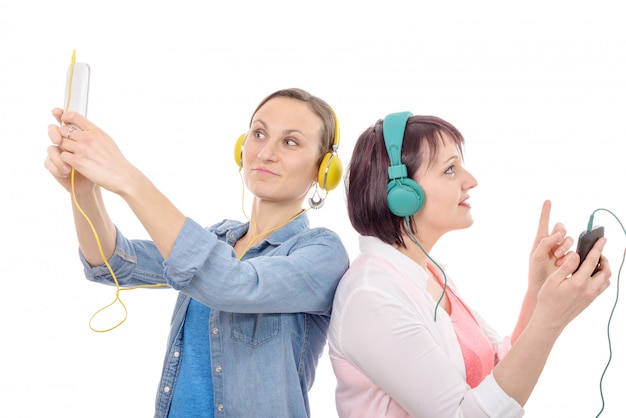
(331, 168)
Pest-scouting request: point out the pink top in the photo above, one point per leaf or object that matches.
(478, 353)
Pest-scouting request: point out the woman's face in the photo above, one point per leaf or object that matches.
(281, 152)
(446, 185)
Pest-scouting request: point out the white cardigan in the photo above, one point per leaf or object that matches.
(390, 358)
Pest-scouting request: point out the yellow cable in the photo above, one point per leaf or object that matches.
(95, 233)
(254, 234)
(69, 82)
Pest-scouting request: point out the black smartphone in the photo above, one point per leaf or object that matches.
(585, 242)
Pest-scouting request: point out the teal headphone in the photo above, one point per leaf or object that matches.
(404, 196)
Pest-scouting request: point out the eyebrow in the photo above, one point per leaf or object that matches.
(454, 157)
(284, 132)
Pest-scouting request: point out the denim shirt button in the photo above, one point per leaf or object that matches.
(177, 354)
(220, 407)
(166, 389)
(218, 369)
(215, 330)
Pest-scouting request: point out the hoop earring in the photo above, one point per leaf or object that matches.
(316, 201)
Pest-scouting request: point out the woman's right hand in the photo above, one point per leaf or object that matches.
(565, 295)
(61, 171)
(93, 153)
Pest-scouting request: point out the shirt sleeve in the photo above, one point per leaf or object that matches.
(301, 276)
(134, 263)
(403, 357)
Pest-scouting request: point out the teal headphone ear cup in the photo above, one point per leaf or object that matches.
(405, 197)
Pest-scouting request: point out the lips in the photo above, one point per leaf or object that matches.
(264, 171)
(465, 203)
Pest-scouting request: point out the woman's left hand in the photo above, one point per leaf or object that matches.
(548, 251)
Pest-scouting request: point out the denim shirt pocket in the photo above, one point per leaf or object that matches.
(255, 329)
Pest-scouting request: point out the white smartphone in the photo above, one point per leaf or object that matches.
(77, 88)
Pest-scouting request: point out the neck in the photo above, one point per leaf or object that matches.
(266, 215)
(264, 220)
(417, 248)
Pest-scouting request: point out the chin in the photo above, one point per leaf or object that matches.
(467, 223)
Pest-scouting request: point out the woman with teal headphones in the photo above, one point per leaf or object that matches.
(402, 341)
(255, 297)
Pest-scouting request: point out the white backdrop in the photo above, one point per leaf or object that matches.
(537, 88)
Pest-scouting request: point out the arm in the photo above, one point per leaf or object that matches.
(296, 275)
(561, 298)
(546, 256)
(84, 193)
(551, 302)
(99, 163)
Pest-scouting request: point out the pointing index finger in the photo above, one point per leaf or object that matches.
(544, 222)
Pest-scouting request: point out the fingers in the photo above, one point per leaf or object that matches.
(563, 244)
(544, 222)
(54, 164)
(69, 121)
(78, 120)
(603, 268)
(594, 258)
(569, 262)
(54, 134)
(71, 132)
(557, 242)
(57, 112)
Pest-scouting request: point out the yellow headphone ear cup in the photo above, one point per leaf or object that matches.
(237, 150)
(329, 174)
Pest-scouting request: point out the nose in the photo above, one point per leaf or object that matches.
(267, 151)
(470, 182)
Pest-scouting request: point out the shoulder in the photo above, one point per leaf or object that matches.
(375, 280)
(323, 234)
(322, 242)
(224, 226)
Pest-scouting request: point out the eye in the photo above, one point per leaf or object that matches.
(291, 142)
(450, 170)
(258, 134)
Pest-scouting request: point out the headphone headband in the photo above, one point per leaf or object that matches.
(393, 131)
(404, 196)
(336, 137)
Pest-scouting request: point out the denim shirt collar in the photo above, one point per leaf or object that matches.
(232, 231)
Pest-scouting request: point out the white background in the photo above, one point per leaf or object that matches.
(537, 88)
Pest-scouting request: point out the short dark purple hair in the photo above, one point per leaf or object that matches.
(367, 179)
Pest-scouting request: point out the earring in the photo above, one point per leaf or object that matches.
(316, 201)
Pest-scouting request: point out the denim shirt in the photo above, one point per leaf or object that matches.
(270, 311)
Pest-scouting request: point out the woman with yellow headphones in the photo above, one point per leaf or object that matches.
(255, 297)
